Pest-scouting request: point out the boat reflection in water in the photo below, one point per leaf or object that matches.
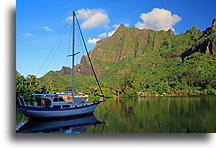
(68, 125)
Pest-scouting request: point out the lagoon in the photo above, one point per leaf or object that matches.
(179, 114)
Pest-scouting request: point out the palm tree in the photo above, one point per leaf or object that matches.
(51, 89)
(31, 79)
(21, 84)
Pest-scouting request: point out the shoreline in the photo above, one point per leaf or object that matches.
(168, 95)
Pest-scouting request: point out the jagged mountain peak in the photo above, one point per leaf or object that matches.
(193, 30)
(121, 26)
(132, 42)
(214, 24)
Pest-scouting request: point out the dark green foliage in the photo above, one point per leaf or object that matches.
(177, 64)
(145, 62)
(63, 82)
(31, 85)
(149, 74)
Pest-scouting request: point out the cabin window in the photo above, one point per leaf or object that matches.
(61, 100)
(55, 100)
(57, 106)
(65, 106)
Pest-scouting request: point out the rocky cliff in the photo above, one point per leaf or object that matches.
(65, 70)
(128, 43)
(132, 42)
(206, 43)
(193, 30)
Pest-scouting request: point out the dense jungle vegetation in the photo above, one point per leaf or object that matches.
(136, 62)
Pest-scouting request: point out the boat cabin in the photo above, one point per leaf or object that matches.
(58, 102)
(52, 102)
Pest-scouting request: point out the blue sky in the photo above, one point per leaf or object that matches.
(39, 23)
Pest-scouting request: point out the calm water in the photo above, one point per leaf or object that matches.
(195, 114)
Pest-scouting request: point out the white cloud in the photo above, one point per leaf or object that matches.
(92, 18)
(102, 35)
(117, 25)
(93, 40)
(47, 29)
(27, 34)
(111, 33)
(126, 25)
(158, 19)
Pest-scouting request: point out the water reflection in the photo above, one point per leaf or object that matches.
(69, 125)
(182, 114)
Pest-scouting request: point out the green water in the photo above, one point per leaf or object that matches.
(196, 114)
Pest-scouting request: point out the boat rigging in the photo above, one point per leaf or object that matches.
(54, 105)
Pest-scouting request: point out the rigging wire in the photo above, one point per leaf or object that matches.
(69, 44)
(53, 48)
(82, 50)
(80, 41)
(57, 47)
(89, 57)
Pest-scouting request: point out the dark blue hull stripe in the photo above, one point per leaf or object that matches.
(32, 108)
(59, 117)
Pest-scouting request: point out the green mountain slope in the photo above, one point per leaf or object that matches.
(63, 82)
(147, 62)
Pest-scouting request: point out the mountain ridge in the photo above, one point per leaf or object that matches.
(133, 42)
(147, 62)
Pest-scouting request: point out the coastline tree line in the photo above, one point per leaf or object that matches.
(31, 85)
(167, 64)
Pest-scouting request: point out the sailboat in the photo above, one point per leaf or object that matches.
(54, 106)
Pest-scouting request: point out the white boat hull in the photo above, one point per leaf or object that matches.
(42, 112)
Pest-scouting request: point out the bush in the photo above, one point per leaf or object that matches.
(129, 93)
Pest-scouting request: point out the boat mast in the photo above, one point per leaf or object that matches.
(73, 40)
